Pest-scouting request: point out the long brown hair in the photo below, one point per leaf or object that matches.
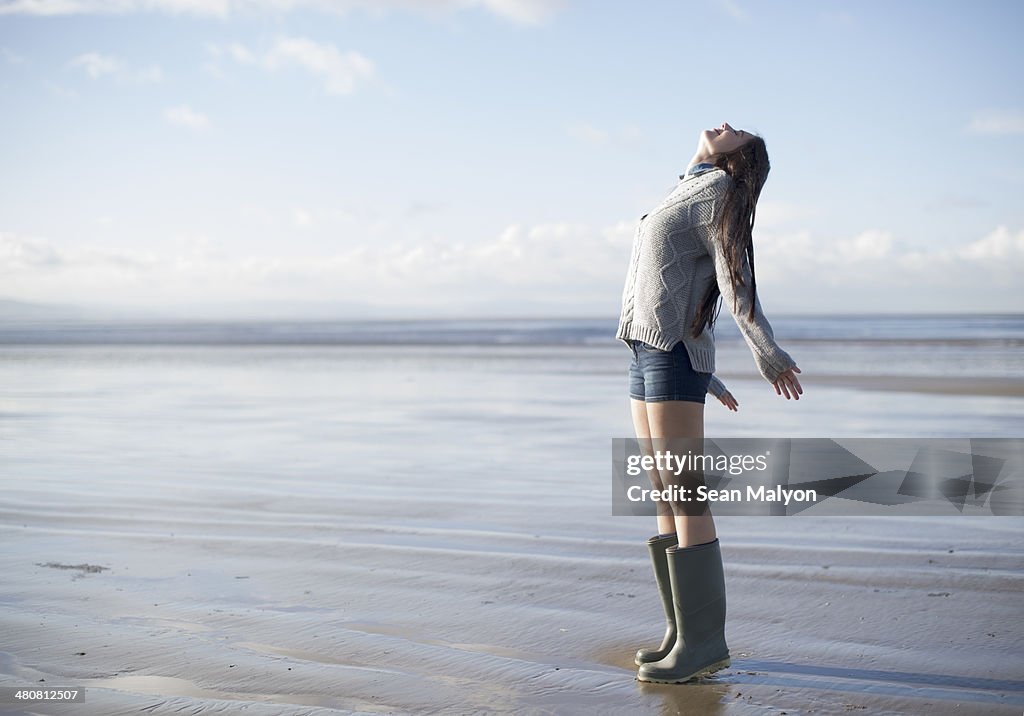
(748, 166)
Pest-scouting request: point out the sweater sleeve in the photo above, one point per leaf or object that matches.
(716, 387)
(771, 360)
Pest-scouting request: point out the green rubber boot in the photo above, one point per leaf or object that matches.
(657, 546)
(698, 594)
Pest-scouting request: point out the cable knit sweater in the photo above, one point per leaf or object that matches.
(677, 252)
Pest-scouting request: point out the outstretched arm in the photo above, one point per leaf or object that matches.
(772, 361)
(717, 388)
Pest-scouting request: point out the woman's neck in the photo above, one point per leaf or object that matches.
(698, 158)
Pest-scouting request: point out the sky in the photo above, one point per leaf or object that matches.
(363, 158)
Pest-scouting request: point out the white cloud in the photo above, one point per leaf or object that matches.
(340, 72)
(867, 246)
(1000, 245)
(997, 121)
(185, 116)
(733, 9)
(235, 50)
(561, 264)
(97, 65)
(540, 261)
(529, 12)
(21, 254)
(807, 273)
(871, 270)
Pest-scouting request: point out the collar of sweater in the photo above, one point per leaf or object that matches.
(698, 168)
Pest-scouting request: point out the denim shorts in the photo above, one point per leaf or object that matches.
(656, 375)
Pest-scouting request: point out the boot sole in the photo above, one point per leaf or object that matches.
(703, 671)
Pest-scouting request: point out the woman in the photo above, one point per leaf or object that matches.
(693, 248)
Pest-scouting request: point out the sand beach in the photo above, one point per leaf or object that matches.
(427, 529)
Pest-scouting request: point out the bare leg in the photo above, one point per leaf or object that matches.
(681, 419)
(666, 524)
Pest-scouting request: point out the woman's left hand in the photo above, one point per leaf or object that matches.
(788, 384)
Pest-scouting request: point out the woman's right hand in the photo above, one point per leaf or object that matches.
(729, 401)
(788, 385)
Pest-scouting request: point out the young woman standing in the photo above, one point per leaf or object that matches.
(693, 248)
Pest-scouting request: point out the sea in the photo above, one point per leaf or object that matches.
(863, 375)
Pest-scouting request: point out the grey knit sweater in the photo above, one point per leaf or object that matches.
(677, 253)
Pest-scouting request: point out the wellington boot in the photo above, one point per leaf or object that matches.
(657, 546)
(698, 595)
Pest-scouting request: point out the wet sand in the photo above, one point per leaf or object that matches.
(949, 385)
(288, 611)
(277, 534)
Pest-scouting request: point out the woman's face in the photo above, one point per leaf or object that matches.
(723, 139)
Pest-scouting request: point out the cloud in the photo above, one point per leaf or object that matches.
(340, 72)
(97, 65)
(538, 261)
(1000, 245)
(733, 9)
(997, 121)
(565, 265)
(531, 12)
(235, 50)
(872, 270)
(185, 116)
(21, 254)
(867, 246)
(526, 12)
